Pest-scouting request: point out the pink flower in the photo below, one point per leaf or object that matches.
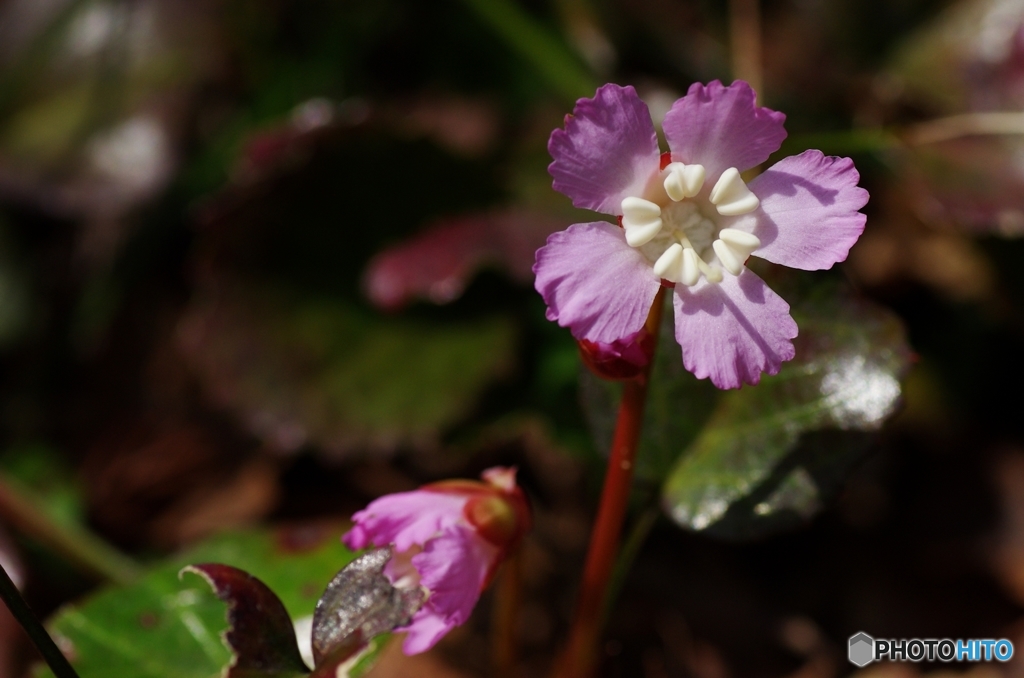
(454, 534)
(690, 221)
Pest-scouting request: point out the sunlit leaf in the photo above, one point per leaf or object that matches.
(166, 627)
(325, 373)
(260, 634)
(745, 462)
(769, 453)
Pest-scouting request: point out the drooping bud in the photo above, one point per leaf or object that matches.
(455, 534)
(620, 360)
(495, 508)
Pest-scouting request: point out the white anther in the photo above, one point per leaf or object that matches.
(731, 196)
(741, 241)
(667, 265)
(637, 236)
(683, 181)
(640, 210)
(641, 220)
(689, 272)
(733, 247)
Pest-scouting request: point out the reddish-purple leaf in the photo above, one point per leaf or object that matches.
(437, 264)
(260, 633)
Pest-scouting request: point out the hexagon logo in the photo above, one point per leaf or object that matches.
(862, 649)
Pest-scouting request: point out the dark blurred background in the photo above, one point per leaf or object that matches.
(263, 261)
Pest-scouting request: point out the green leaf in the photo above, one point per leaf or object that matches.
(166, 627)
(769, 453)
(323, 372)
(550, 56)
(41, 500)
(34, 467)
(260, 633)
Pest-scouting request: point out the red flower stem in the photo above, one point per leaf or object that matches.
(505, 645)
(580, 656)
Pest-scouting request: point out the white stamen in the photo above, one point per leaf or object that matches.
(733, 247)
(640, 210)
(731, 195)
(712, 273)
(683, 181)
(741, 241)
(637, 236)
(667, 265)
(641, 220)
(730, 260)
(689, 272)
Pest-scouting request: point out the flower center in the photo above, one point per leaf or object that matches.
(676, 224)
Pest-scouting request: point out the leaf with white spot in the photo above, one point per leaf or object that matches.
(768, 453)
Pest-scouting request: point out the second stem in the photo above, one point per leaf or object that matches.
(580, 655)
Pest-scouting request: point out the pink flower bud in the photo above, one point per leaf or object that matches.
(623, 359)
(454, 534)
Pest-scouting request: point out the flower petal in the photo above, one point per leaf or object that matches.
(427, 627)
(594, 283)
(721, 127)
(734, 330)
(808, 217)
(404, 519)
(453, 568)
(607, 151)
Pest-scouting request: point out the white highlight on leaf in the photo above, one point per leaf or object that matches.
(797, 492)
(859, 394)
(711, 511)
